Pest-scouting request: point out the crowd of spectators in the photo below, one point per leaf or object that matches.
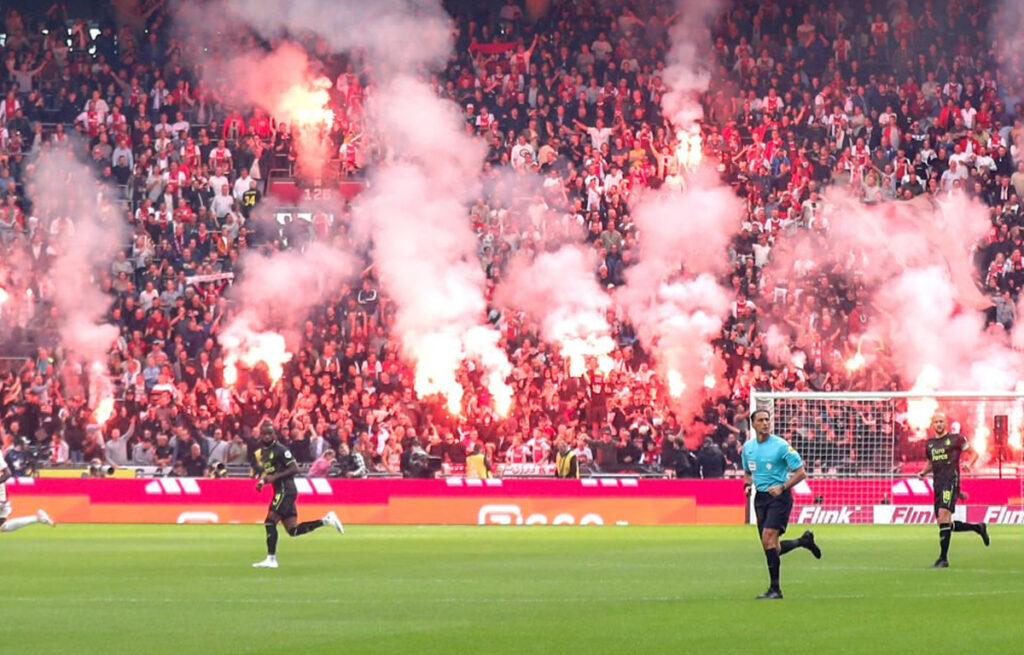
(891, 104)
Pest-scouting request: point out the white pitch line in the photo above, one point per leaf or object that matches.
(911, 569)
(492, 600)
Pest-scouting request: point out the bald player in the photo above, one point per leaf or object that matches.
(944, 452)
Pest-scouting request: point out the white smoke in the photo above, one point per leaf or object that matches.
(426, 254)
(277, 291)
(913, 259)
(559, 290)
(671, 295)
(64, 187)
(399, 35)
(415, 210)
(686, 63)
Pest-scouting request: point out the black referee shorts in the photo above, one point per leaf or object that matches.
(946, 494)
(283, 504)
(773, 511)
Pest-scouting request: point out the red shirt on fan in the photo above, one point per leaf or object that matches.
(261, 126)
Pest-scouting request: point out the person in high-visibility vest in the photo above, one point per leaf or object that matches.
(477, 465)
(566, 465)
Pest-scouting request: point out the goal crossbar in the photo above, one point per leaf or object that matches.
(883, 395)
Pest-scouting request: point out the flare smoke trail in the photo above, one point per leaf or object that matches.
(686, 73)
(416, 212)
(278, 291)
(62, 186)
(275, 295)
(416, 208)
(671, 295)
(679, 311)
(559, 291)
(913, 257)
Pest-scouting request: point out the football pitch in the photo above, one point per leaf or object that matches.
(191, 590)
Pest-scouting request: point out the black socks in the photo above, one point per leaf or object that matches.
(789, 545)
(963, 526)
(303, 528)
(271, 527)
(773, 567)
(945, 532)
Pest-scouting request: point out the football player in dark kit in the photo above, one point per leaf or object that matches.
(944, 452)
(276, 466)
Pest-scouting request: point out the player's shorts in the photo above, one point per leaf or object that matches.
(283, 504)
(5, 509)
(946, 495)
(773, 511)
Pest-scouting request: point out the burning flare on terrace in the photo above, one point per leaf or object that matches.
(248, 347)
(690, 150)
(921, 409)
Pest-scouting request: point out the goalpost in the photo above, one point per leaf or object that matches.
(862, 452)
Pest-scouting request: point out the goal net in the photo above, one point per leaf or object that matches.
(862, 451)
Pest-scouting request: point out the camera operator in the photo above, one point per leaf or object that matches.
(356, 462)
(97, 469)
(17, 460)
(416, 463)
(218, 470)
(37, 452)
(710, 459)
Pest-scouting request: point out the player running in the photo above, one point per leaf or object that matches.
(943, 452)
(5, 505)
(277, 467)
(772, 467)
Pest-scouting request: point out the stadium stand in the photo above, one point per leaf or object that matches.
(894, 106)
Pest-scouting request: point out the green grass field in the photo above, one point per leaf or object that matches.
(191, 590)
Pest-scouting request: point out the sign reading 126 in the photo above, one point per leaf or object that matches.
(318, 193)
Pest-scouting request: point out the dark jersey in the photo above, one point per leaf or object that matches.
(944, 454)
(250, 198)
(274, 459)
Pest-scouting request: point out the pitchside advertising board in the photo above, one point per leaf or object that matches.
(456, 501)
(509, 502)
(904, 502)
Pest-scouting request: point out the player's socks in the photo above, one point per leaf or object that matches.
(945, 532)
(774, 563)
(306, 526)
(964, 526)
(16, 524)
(788, 545)
(271, 527)
(806, 540)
